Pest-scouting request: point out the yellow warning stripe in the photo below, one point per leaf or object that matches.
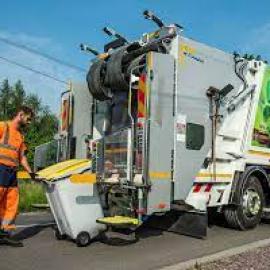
(160, 175)
(86, 178)
(219, 175)
(149, 60)
(259, 153)
(116, 150)
(75, 178)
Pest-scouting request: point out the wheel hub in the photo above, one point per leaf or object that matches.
(84, 239)
(251, 203)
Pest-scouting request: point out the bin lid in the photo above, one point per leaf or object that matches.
(64, 168)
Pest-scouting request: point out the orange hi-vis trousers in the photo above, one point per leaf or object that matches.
(9, 198)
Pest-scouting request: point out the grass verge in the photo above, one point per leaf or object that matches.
(30, 193)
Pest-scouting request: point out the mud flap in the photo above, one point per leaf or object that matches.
(187, 223)
(191, 224)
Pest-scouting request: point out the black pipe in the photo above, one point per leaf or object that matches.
(152, 46)
(150, 16)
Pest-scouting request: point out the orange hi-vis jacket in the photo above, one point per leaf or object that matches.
(11, 145)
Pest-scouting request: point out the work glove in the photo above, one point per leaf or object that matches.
(33, 176)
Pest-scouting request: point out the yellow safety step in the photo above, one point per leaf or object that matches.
(119, 221)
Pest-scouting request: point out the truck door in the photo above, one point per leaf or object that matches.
(160, 130)
(198, 68)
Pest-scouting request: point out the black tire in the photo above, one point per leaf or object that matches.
(243, 217)
(83, 239)
(114, 77)
(58, 235)
(95, 81)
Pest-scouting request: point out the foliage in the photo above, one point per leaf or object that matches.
(30, 193)
(45, 123)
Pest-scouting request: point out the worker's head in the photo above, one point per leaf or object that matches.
(23, 116)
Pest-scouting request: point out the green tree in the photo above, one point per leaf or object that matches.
(45, 124)
(5, 100)
(18, 95)
(33, 101)
(42, 130)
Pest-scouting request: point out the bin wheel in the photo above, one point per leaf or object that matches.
(58, 235)
(83, 239)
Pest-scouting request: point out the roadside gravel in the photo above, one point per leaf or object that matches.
(256, 259)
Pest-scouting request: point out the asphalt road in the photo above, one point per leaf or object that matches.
(155, 249)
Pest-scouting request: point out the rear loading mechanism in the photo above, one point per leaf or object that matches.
(118, 83)
(112, 73)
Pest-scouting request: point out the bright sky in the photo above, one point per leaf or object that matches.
(57, 27)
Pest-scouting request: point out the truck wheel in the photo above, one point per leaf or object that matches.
(58, 235)
(83, 239)
(248, 214)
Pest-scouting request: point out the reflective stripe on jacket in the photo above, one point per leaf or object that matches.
(10, 148)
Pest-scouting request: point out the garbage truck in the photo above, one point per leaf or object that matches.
(178, 129)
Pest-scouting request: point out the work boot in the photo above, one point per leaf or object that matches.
(10, 242)
(4, 233)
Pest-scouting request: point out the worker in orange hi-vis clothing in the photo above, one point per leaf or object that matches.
(12, 154)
